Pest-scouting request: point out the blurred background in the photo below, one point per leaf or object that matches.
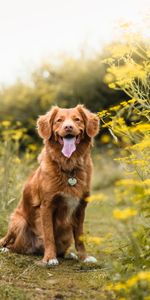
(94, 52)
(52, 52)
(55, 52)
(59, 52)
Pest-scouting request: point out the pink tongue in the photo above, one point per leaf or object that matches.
(69, 146)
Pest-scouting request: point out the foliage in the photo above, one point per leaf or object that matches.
(120, 232)
(12, 171)
(133, 191)
(69, 82)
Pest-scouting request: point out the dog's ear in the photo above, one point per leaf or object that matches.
(90, 119)
(44, 123)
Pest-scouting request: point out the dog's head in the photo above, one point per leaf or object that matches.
(68, 127)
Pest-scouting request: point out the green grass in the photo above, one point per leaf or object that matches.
(20, 275)
(22, 278)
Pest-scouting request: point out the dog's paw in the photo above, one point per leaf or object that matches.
(90, 259)
(53, 262)
(4, 250)
(71, 256)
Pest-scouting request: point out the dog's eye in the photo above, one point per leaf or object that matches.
(77, 120)
(59, 120)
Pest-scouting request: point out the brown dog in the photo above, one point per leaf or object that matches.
(52, 207)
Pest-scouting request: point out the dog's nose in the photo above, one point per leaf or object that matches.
(68, 127)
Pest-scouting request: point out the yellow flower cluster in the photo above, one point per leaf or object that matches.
(144, 144)
(143, 127)
(97, 197)
(32, 147)
(105, 138)
(141, 276)
(103, 113)
(91, 239)
(128, 182)
(128, 71)
(118, 51)
(124, 214)
(123, 105)
(5, 123)
(14, 134)
(133, 182)
(125, 75)
(115, 108)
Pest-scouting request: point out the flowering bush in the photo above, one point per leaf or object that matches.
(128, 124)
(14, 165)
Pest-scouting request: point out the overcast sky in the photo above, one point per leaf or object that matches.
(34, 30)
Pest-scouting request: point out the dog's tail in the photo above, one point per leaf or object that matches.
(20, 237)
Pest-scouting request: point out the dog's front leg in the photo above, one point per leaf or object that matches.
(78, 230)
(48, 234)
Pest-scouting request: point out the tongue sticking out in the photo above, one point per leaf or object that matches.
(69, 146)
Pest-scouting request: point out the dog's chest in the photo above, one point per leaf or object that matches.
(71, 204)
(66, 207)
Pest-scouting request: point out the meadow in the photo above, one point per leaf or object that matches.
(22, 278)
(117, 228)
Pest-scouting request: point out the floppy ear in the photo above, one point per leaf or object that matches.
(44, 123)
(91, 121)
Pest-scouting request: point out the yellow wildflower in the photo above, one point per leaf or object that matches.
(6, 123)
(119, 50)
(141, 127)
(103, 113)
(112, 85)
(91, 239)
(144, 275)
(124, 103)
(124, 214)
(108, 124)
(97, 197)
(133, 100)
(119, 286)
(127, 73)
(18, 134)
(147, 192)
(105, 138)
(128, 182)
(145, 143)
(116, 287)
(131, 281)
(108, 78)
(33, 147)
(115, 108)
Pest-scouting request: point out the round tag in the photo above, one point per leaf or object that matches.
(72, 181)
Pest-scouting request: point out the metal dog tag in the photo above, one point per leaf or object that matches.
(72, 181)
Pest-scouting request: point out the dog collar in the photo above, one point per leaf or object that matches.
(72, 180)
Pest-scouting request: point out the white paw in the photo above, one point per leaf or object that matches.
(4, 250)
(53, 262)
(72, 256)
(90, 259)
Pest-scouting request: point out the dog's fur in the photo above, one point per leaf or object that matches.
(51, 212)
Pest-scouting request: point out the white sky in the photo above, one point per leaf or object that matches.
(34, 30)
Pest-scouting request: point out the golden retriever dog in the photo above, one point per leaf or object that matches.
(52, 208)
